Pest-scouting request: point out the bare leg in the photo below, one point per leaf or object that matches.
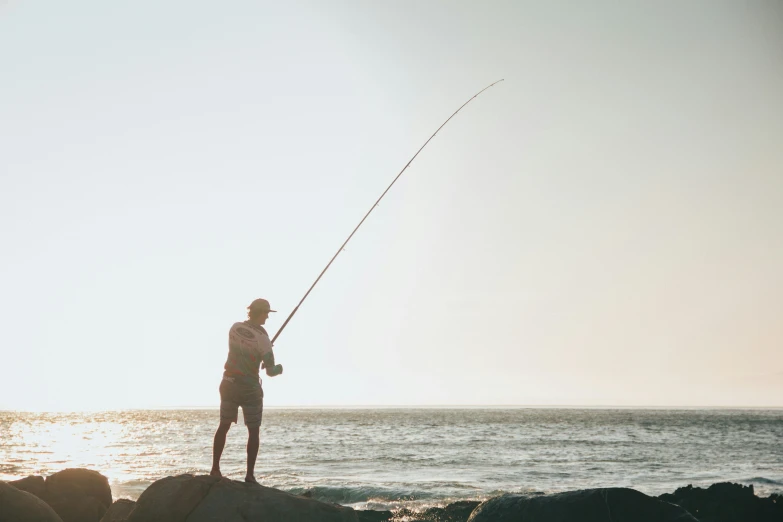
(217, 447)
(252, 453)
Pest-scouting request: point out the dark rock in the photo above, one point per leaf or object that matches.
(234, 501)
(204, 498)
(76, 495)
(20, 506)
(454, 512)
(171, 499)
(119, 511)
(727, 502)
(588, 505)
(371, 515)
(31, 484)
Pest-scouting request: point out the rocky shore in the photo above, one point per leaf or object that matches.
(82, 495)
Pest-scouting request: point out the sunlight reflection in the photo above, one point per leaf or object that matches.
(131, 448)
(57, 442)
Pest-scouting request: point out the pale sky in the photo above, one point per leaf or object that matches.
(604, 227)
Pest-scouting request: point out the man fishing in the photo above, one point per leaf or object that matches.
(248, 348)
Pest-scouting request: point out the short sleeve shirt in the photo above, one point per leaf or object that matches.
(247, 345)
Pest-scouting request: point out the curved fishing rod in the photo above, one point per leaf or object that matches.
(371, 209)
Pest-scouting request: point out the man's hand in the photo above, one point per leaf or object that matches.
(275, 370)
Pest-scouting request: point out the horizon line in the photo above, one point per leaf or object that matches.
(410, 407)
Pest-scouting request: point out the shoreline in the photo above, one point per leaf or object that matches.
(374, 497)
(70, 490)
(316, 492)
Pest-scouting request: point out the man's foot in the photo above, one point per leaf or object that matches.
(250, 479)
(215, 473)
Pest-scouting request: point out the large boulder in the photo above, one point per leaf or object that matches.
(727, 502)
(587, 505)
(172, 499)
(189, 498)
(20, 506)
(75, 494)
(119, 511)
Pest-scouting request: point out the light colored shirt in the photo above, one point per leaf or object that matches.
(247, 345)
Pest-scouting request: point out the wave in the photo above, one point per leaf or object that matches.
(763, 480)
(411, 499)
(347, 495)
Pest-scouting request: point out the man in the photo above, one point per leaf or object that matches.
(248, 348)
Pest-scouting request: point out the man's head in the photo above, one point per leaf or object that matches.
(258, 311)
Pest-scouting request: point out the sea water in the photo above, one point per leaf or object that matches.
(415, 458)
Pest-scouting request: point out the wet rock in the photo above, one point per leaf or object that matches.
(75, 494)
(119, 511)
(20, 506)
(454, 512)
(727, 502)
(588, 505)
(371, 515)
(204, 498)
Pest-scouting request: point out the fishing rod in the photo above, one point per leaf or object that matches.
(371, 209)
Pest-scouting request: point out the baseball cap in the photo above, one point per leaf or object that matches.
(260, 305)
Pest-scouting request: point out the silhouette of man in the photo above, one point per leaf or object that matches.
(248, 348)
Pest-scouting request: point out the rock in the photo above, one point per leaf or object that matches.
(204, 499)
(727, 502)
(455, 512)
(76, 495)
(171, 499)
(31, 484)
(119, 511)
(20, 506)
(371, 515)
(587, 505)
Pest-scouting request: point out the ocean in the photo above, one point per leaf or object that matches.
(414, 458)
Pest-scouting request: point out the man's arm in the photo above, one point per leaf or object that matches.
(268, 356)
(268, 362)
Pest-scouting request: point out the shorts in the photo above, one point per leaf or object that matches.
(248, 395)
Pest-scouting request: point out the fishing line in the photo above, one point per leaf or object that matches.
(371, 209)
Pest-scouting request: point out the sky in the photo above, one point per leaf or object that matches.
(603, 228)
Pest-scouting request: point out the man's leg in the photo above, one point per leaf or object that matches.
(217, 447)
(252, 452)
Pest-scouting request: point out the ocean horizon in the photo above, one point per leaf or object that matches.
(406, 407)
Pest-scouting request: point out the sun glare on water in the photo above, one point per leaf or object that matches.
(131, 448)
(60, 441)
